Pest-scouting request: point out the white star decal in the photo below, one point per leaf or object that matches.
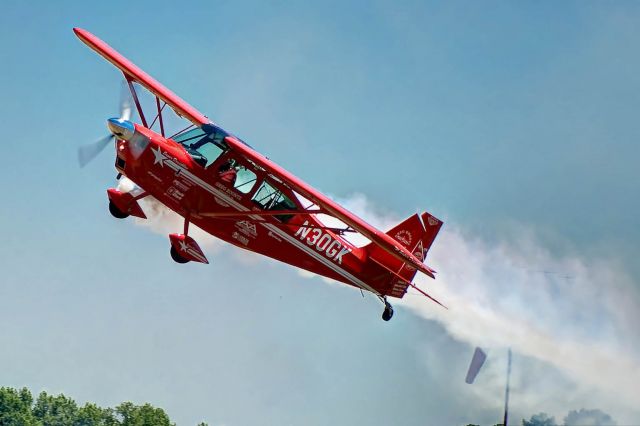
(183, 246)
(159, 157)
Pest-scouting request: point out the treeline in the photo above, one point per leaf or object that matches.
(18, 408)
(581, 417)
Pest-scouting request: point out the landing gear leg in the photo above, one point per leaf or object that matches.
(186, 225)
(388, 310)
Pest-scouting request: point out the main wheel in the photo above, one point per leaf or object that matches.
(116, 212)
(388, 312)
(176, 256)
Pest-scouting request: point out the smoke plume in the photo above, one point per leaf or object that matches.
(575, 316)
(578, 317)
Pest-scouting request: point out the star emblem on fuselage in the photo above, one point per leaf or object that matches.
(184, 246)
(158, 156)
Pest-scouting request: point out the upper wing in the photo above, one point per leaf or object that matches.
(376, 236)
(132, 72)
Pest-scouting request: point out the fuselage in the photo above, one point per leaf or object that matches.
(193, 179)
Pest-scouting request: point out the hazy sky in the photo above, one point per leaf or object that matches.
(515, 122)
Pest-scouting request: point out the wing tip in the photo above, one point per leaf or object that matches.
(84, 35)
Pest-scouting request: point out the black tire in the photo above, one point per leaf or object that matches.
(176, 256)
(116, 212)
(388, 312)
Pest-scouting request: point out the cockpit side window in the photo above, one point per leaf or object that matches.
(245, 180)
(270, 198)
(205, 144)
(237, 175)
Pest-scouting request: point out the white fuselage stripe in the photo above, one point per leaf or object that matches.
(292, 240)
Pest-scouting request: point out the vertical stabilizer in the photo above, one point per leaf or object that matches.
(416, 234)
(432, 226)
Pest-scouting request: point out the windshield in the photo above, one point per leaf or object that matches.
(204, 146)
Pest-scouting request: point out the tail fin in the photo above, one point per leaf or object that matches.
(417, 234)
(432, 226)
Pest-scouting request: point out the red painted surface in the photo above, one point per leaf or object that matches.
(187, 248)
(165, 170)
(125, 203)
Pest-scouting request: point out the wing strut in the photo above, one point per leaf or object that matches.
(134, 73)
(159, 116)
(134, 94)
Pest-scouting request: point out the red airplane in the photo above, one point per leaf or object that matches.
(219, 183)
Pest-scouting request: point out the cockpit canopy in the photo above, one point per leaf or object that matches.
(205, 144)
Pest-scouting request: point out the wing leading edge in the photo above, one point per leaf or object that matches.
(133, 72)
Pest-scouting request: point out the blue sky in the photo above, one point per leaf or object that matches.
(514, 122)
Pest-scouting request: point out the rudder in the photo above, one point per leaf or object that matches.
(416, 234)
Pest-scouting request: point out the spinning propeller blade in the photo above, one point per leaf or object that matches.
(88, 152)
(125, 102)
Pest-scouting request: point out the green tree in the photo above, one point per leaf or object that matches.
(15, 407)
(55, 410)
(142, 415)
(92, 415)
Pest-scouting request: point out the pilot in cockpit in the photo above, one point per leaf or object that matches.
(228, 172)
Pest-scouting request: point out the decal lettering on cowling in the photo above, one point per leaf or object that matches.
(182, 185)
(322, 242)
(175, 193)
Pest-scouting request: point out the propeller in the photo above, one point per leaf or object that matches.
(88, 152)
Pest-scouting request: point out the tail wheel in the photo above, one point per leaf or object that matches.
(116, 212)
(388, 311)
(176, 256)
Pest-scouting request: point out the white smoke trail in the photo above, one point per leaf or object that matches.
(577, 316)
(162, 220)
(583, 321)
